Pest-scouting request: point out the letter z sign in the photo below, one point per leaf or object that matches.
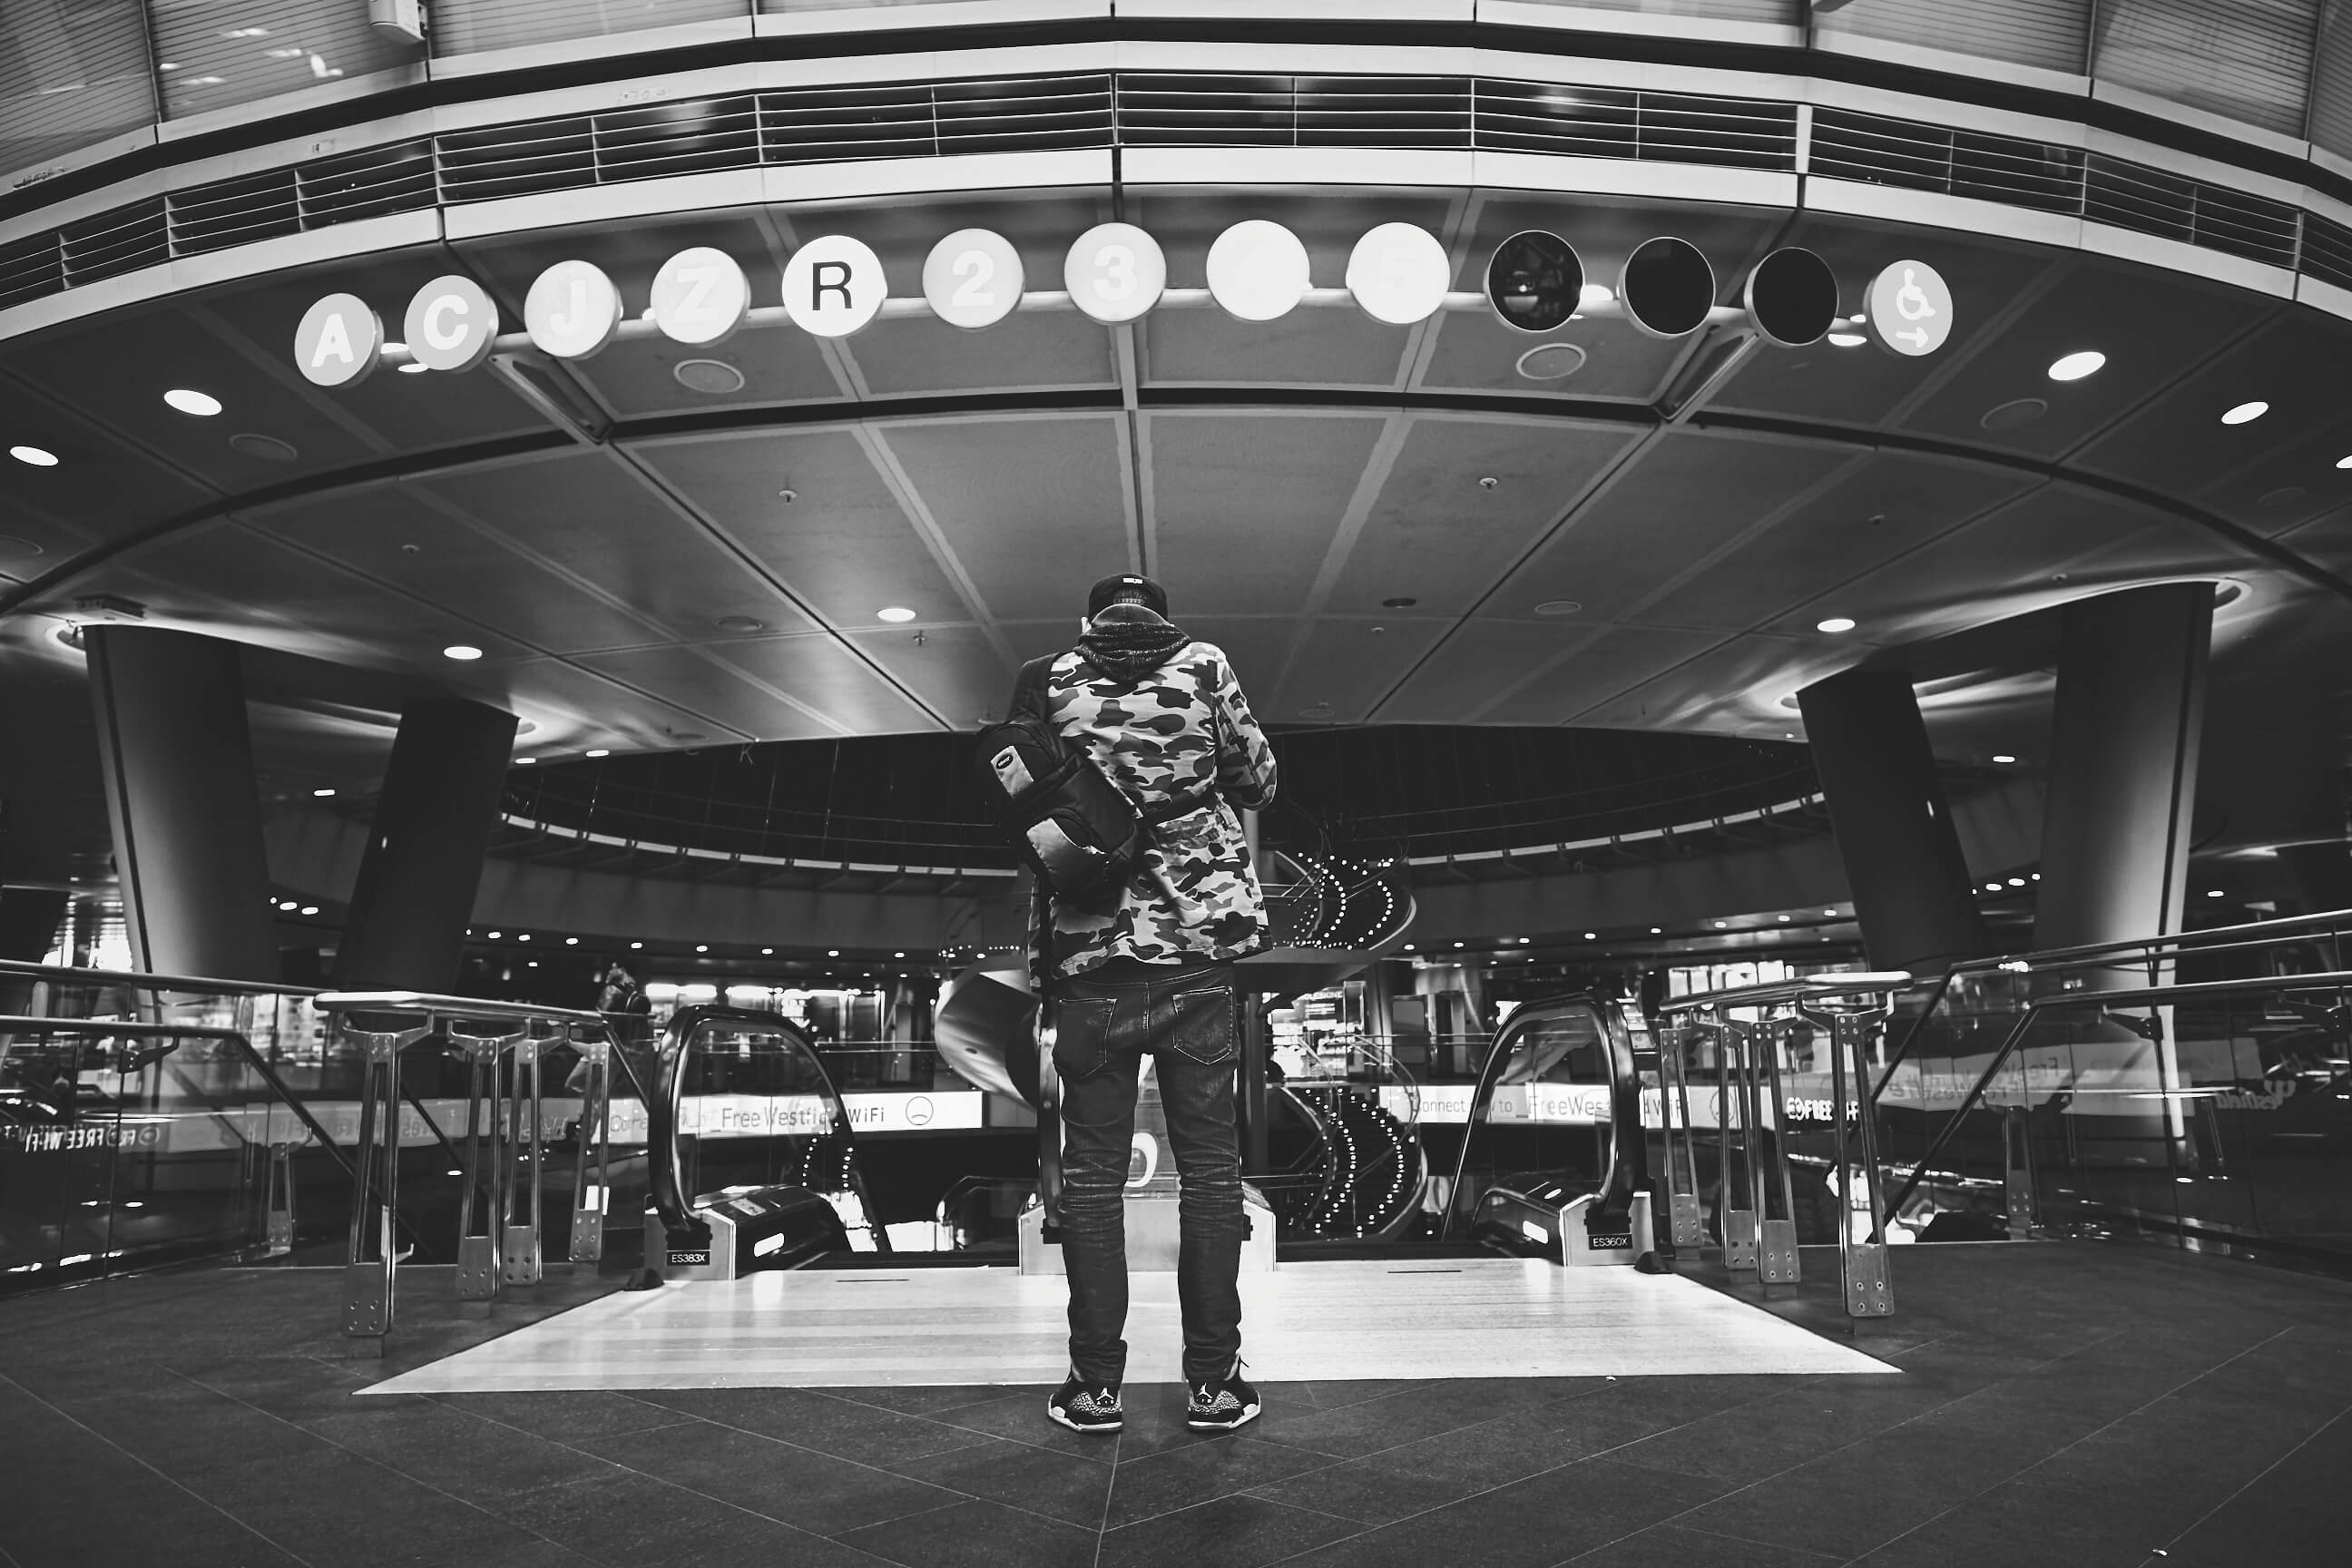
(834, 286)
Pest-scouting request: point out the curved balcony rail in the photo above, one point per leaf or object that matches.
(2278, 78)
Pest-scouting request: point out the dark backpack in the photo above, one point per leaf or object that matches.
(1078, 830)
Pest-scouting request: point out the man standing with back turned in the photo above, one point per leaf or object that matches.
(1147, 966)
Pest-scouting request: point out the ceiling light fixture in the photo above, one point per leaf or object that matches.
(636, 946)
(2002, 757)
(2345, 462)
(572, 942)
(321, 793)
(1829, 912)
(413, 368)
(463, 653)
(522, 936)
(2246, 413)
(2076, 365)
(309, 909)
(39, 457)
(1657, 931)
(2212, 892)
(1835, 624)
(702, 947)
(1723, 925)
(494, 936)
(896, 615)
(600, 752)
(525, 761)
(203, 405)
(1847, 340)
(832, 953)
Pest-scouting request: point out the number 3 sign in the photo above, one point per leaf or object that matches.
(973, 279)
(1115, 272)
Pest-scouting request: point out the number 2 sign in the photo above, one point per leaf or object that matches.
(973, 279)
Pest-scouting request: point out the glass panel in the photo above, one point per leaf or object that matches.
(72, 72)
(755, 1110)
(2052, 34)
(2331, 84)
(2248, 60)
(1786, 12)
(213, 54)
(467, 27)
(1543, 1120)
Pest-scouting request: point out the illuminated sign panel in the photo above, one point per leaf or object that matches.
(701, 297)
(1115, 272)
(973, 279)
(450, 325)
(571, 310)
(337, 343)
(833, 286)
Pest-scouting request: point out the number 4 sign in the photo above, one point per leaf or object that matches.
(973, 279)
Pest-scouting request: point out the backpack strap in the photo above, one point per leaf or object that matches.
(1029, 690)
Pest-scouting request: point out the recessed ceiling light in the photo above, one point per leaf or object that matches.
(2246, 413)
(525, 761)
(601, 751)
(1593, 936)
(895, 613)
(2017, 881)
(1829, 912)
(1848, 340)
(522, 936)
(1558, 607)
(1835, 624)
(832, 953)
(203, 405)
(2002, 757)
(1457, 944)
(39, 456)
(285, 904)
(1784, 919)
(1525, 940)
(2344, 462)
(2076, 365)
(321, 793)
(767, 952)
(309, 909)
(1992, 887)
(494, 936)
(636, 946)
(1657, 931)
(2212, 892)
(413, 368)
(572, 942)
(702, 947)
(463, 653)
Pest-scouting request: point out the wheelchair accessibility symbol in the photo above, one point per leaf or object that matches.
(1910, 309)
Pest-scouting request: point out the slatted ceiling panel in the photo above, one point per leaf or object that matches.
(820, 124)
(668, 139)
(234, 211)
(1036, 509)
(1176, 109)
(1786, 13)
(2331, 84)
(370, 183)
(31, 269)
(501, 161)
(223, 53)
(2053, 35)
(2327, 250)
(2153, 201)
(1611, 123)
(1877, 150)
(101, 488)
(121, 239)
(72, 72)
(2247, 59)
(469, 27)
(1026, 114)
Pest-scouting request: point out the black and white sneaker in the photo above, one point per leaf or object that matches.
(1084, 1407)
(1222, 1403)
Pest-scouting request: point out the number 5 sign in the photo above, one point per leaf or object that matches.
(973, 279)
(1115, 272)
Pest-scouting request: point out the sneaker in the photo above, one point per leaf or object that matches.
(1222, 1403)
(1083, 1408)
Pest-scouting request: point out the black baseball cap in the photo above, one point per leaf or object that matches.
(1127, 588)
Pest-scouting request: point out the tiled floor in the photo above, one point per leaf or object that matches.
(2064, 1403)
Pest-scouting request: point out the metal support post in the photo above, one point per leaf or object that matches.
(482, 1204)
(277, 1203)
(1686, 1225)
(593, 1185)
(2017, 1171)
(1862, 1265)
(1735, 1179)
(519, 1261)
(373, 1252)
(1777, 1262)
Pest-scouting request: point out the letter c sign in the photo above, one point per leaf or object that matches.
(450, 325)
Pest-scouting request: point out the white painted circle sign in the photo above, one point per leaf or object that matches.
(701, 297)
(973, 279)
(1398, 273)
(1115, 272)
(450, 325)
(1910, 309)
(572, 310)
(1257, 271)
(337, 343)
(834, 285)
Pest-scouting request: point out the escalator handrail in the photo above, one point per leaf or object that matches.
(1626, 1132)
(666, 1162)
(22, 969)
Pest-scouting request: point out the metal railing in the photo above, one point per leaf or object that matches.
(499, 1242)
(1853, 1009)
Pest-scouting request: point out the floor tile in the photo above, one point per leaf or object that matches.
(1367, 1490)
(814, 1491)
(1183, 1477)
(1037, 1480)
(1230, 1532)
(1673, 1546)
(638, 1521)
(570, 1418)
(813, 1420)
(975, 1534)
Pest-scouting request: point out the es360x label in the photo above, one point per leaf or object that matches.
(697, 1259)
(1602, 1241)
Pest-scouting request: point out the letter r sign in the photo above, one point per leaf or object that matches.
(834, 286)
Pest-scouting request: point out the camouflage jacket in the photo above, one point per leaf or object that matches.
(1192, 895)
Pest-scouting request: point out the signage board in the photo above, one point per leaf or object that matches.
(573, 310)
(450, 325)
(1398, 273)
(337, 341)
(834, 285)
(973, 279)
(1115, 272)
(701, 297)
(1257, 271)
(1910, 309)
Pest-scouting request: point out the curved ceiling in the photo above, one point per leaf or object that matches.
(707, 565)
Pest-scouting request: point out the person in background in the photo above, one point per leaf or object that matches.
(1146, 965)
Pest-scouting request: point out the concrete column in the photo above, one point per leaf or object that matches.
(1912, 893)
(178, 764)
(2123, 765)
(422, 861)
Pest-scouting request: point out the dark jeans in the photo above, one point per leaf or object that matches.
(1186, 1017)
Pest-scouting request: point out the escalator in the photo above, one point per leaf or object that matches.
(754, 1164)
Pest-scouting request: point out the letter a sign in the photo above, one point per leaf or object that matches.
(337, 343)
(833, 286)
